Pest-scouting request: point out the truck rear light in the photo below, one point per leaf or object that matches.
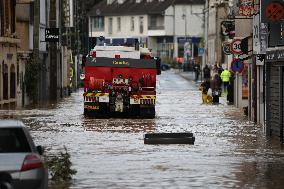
(94, 54)
(32, 161)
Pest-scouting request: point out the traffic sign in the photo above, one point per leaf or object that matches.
(236, 46)
(226, 47)
(274, 12)
(237, 65)
(200, 51)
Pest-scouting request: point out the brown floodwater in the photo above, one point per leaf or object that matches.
(229, 151)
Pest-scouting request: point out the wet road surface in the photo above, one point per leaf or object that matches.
(229, 151)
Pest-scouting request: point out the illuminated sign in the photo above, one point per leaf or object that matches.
(120, 62)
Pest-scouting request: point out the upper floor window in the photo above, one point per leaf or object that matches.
(110, 25)
(7, 17)
(153, 21)
(141, 24)
(118, 24)
(1, 20)
(98, 22)
(132, 21)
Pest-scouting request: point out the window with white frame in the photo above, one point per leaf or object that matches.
(118, 24)
(110, 25)
(98, 23)
(141, 24)
(132, 23)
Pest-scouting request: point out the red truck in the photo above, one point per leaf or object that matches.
(120, 85)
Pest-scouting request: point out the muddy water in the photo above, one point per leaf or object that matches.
(229, 152)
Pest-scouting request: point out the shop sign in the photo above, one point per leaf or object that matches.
(228, 28)
(246, 8)
(263, 37)
(272, 11)
(51, 34)
(274, 56)
(256, 33)
(259, 60)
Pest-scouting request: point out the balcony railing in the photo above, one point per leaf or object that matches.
(156, 27)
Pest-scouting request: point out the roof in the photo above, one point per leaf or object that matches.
(130, 7)
(11, 123)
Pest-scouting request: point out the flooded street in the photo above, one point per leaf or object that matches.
(229, 151)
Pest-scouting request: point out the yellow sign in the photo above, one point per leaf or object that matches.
(120, 62)
(71, 72)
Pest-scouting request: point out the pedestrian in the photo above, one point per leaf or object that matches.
(197, 71)
(206, 72)
(230, 88)
(220, 70)
(215, 85)
(204, 87)
(215, 70)
(225, 76)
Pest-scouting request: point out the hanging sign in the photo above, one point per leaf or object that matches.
(51, 34)
(246, 8)
(236, 46)
(274, 11)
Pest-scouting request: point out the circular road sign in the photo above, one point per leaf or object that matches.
(237, 65)
(226, 46)
(274, 11)
(236, 46)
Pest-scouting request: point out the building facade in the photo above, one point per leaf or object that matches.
(169, 28)
(273, 69)
(9, 67)
(255, 55)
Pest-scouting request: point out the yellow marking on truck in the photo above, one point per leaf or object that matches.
(96, 94)
(143, 96)
(89, 107)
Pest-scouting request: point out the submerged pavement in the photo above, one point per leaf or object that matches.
(229, 151)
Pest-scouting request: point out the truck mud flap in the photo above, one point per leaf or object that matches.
(147, 112)
(169, 138)
(96, 110)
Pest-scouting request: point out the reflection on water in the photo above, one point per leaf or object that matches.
(120, 125)
(229, 151)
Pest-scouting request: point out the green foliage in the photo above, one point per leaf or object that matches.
(202, 42)
(31, 79)
(169, 61)
(59, 167)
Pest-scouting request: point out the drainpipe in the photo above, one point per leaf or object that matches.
(204, 58)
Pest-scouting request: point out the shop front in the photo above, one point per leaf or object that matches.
(274, 92)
